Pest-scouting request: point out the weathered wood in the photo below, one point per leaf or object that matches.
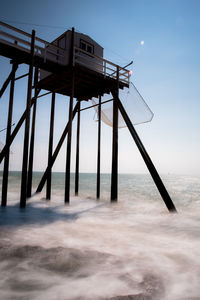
(27, 125)
(7, 81)
(91, 106)
(114, 174)
(77, 151)
(22, 76)
(8, 132)
(161, 188)
(69, 137)
(18, 126)
(72, 49)
(32, 141)
(99, 150)
(55, 154)
(48, 186)
(15, 131)
(68, 157)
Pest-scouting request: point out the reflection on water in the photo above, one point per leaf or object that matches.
(91, 249)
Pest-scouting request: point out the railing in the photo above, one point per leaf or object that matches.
(99, 64)
(20, 39)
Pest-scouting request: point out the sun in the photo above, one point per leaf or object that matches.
(142, 43)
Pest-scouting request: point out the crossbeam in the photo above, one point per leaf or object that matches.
(15, 131)
(22, 76)
(55, 154)
(96, 105)
(7, 81)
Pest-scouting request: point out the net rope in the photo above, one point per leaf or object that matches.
(134, 104)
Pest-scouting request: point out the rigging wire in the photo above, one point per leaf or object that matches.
(120, 57)
(33, 24)
(6, 127)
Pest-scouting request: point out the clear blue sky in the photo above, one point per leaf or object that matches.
(166, 71)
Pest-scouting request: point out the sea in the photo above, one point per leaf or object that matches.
(94, 249)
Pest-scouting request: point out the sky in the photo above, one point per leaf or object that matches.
(162, 38)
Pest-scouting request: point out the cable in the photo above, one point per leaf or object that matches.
(6, 127)
(120, 57)
(38, 25)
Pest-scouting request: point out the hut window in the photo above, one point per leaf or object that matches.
(86, 46)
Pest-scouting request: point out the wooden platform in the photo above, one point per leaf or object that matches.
(88, 83)
(21, 56)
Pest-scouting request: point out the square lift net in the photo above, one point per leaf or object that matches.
(134, 104)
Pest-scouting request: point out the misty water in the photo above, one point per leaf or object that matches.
(133, 249)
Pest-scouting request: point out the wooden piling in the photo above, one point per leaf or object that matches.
(5, 149)
(161, 188)
(55, 154)
(69, 137)
(48, 186)
(99, 150)
(114, 174)
(7, 81)
(27, 124)
(9, 124)
(32, 140)
(77, 151)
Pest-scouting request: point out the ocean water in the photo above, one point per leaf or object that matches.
(133, 249)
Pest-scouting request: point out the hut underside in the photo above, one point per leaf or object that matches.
(88, 83)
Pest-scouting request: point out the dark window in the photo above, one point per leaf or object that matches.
(86, 47)
(89, 48)
(83, 46)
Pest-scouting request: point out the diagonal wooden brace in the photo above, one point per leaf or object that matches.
(15, 131)
(157, 180)
(7, 81)
(55, 154)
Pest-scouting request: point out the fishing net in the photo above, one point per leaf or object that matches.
(134, 104)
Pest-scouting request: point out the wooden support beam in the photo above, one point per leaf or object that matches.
(77, 151)
(8, 132)
(32, 141)
(48, 186)
(91, 106)
(18, 126)
(7, 81)
(72, 48)
(161, 188)
(114, 174)
(99, 150)
(27, 124)
(15, 131)
(22, 76)
(69, 137)
(55, 154)
(68, 157)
